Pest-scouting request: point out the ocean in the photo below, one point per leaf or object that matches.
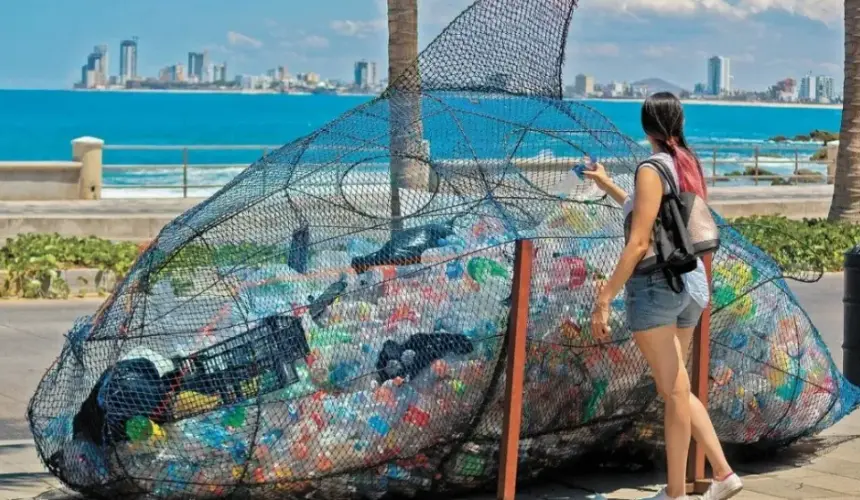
(39, 125)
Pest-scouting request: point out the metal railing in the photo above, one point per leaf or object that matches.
(754, 168)
(185, 165)
(759, 162)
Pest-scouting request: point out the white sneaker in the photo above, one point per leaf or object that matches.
(663, 496)
(725, 489)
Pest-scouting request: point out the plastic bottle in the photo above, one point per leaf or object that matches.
(84, 463)
(572, 180)
(405, 247)
(575, 186)
(356, 247)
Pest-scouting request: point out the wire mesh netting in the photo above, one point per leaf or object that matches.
(290, 337)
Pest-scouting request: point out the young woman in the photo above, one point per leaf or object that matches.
(662, 320)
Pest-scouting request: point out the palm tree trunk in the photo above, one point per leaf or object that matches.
(405, 127)
(846, 189)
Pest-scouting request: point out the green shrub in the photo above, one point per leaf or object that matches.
(819, 155)
(799, 245)
(823, 136)
(33, 262)
(803, 176)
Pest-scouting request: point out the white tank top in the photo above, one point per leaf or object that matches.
(695, 282)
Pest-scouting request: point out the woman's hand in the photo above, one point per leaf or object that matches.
(598, 174)
(600, 321)
(600, 315)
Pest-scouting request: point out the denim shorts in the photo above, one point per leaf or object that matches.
(652, 304)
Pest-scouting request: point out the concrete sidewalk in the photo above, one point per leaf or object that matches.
(796, 474)
(826, 467)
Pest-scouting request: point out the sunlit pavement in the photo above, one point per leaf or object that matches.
(32, 335)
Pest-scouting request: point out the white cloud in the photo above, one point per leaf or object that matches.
(833, 68)
(237, 39)
(745, 57)
(658, 51)
(598, 49)
(306, 42)
(358, 29)
(314, 42)
(827, 11)
(670, 7)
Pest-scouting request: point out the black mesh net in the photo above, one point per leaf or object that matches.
(290, 337)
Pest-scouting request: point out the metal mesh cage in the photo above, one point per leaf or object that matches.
(312, 330)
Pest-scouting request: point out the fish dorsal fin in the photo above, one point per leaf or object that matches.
(509, 46)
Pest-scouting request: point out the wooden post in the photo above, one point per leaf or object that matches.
(699, 377)
(517, 330)
(185, 172)
(714, 168)
(756, 166)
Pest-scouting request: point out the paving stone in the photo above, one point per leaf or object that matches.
(787, 489)
(840, 484)
(837, 466)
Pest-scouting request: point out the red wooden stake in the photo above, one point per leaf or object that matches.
(517, 331)
(696, 482)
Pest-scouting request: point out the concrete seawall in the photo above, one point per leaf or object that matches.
(142, 219)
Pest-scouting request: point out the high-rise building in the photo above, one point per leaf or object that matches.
(374, 76)
(719, 76)
(219, 73)
(808, 88)
(784, 90)
(178, 73)
(174, 73)
(279, 74)
(128, 60)
(824, 88)
(584, 85)
(102, 50)
(95, 72)
(362, 74)
(197, 64)
(615, 89)
(88, 77)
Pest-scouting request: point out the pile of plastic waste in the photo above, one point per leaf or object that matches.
(311, 332)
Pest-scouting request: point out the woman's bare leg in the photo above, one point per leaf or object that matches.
(703, 429)
(661, 349)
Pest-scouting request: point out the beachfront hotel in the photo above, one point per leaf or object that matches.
(719, 76)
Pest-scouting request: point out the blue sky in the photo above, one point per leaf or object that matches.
(44, 42)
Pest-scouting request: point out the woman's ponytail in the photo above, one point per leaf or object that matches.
(691, 177)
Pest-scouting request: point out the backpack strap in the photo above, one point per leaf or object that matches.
(663, 170)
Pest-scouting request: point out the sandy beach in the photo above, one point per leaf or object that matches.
(697, 102)
(711, 102)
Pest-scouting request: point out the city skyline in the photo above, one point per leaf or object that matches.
(619, 39)
(200, 71)
(717, 84)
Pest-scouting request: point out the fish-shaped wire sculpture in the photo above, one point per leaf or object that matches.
(312, 331)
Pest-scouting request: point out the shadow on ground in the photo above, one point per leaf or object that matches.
(10, 448)
(20, 480)
(578, 482)
(797, 455)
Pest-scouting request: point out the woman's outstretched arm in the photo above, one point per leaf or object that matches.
(601, 178)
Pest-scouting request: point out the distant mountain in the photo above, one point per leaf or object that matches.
(659, 85)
